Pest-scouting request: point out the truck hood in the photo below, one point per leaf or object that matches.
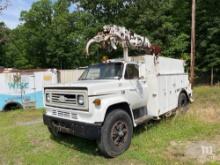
(95, 87)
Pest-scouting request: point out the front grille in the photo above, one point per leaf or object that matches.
(54, 113)
(64, 98)
(63, 114)
(67, 98)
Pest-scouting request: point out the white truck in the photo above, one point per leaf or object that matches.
(113, 97)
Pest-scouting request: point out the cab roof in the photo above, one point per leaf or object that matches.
(120, 60)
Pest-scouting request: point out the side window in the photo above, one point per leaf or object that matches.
(132, 71)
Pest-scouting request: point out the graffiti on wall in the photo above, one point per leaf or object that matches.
(18, 82)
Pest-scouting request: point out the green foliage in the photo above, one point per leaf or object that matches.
(110, 11)
(208, 26)
(52, 36)
(3, 40)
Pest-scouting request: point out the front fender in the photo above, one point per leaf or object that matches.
(106, 102)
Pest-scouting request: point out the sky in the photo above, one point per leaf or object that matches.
(11, 15)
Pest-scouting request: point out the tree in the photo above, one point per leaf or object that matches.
(3, 5)
(107, 12)
(15, 50)
(4, 31)
(208, 41)
(37, 32)
(51, 36)
(154, 19)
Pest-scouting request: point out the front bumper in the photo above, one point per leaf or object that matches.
(84, 130)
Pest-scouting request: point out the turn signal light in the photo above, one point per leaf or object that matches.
(97, 102)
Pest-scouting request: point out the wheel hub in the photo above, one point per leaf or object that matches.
(119, 133)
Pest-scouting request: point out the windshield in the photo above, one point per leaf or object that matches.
(103, 71)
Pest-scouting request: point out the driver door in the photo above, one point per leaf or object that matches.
(136, 92)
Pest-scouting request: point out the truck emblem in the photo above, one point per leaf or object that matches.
(62, 99)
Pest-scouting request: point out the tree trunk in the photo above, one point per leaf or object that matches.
(193, 50)
(212, 76)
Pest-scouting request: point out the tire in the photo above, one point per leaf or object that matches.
(55, 133)
(116, 133)
(183, 102)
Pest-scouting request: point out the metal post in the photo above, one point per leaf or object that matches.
(125, 51)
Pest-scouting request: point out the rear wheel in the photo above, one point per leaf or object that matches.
(183, 102)
(116, 133)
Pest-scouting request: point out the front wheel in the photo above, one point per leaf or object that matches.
(55, 133)
(116, 133)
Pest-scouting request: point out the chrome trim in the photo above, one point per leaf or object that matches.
(66, 98)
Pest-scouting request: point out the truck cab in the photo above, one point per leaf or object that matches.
(112, 98)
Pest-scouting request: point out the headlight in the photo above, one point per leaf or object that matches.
(47, 97)
(80, 99)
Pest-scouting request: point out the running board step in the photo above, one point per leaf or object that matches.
(142, 119)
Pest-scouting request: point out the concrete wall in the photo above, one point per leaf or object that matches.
(69, 76)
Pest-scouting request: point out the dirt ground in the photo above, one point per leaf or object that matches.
(199, 152)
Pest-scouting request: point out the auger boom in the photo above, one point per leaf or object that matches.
(113, 35)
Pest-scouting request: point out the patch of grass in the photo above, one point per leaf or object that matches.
(32, 144)
(9, 119)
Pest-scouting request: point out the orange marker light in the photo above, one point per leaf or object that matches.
(97, 102)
